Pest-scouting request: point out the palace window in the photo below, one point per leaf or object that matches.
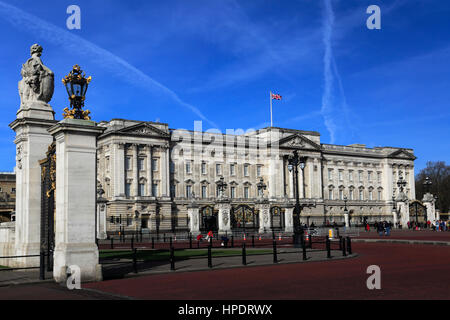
(218, 169)
(350, 175)
(246, 174)
(351, 194)
(369, 176)
(360, 176)
(140, 164)
(141, 189)
(379, 177)
(341, 173)
(258, 171)
(188, 167)
(233, 192)
(127, 189)
(155, 190)
(380, 195)
(232, 169)
(188, 191)
(330, 174)
(341, 194)
(154, 164)
(203, 167)
(204, 192)
(246, 192)
(330, 194)
(370, 195)
(361, 195)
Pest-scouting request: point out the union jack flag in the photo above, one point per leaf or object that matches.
(276, 96)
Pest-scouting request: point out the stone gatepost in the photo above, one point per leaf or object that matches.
(224, 206)
(194, 218)
(403, 208)
(394, 219)
(263, 206)
(346, 220)
(429, 202)
(288, 218)
(75, 243)
(34, 117)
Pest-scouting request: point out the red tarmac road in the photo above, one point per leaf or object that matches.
(407, 272)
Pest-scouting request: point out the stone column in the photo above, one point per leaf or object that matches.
(118, 169)
(264, 216)
(164, 172)
(272, 179)
(194, 219)
(76, 146)
(289, 219)
(101, 218)
(291, 184)
(300, 187)
(149, 172)
(32, 142)
(135, 170)
(224, 215)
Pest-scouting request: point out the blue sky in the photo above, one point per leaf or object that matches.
(216, 61)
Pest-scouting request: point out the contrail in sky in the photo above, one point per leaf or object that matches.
(326, 110)
(108, 60)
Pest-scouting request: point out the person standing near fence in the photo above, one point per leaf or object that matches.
(380, 229)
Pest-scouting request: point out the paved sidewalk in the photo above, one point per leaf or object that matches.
(12, 278)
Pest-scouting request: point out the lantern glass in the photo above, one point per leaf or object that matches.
(77, 89)
(290, 167)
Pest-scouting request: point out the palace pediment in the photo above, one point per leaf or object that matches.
(144, 129)
(402, 154)
(297, 141)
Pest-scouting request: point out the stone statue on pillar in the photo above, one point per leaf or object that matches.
(38, 81)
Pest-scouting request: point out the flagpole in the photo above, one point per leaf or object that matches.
(271, 117)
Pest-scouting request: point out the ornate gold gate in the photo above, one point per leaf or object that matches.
(48, 186)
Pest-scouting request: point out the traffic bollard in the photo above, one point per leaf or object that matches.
(209, 257)
(349, 245)
(275, 258)
(172, 258)
(328, 247)
(244, 255)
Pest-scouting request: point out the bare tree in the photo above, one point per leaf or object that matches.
(439, 173)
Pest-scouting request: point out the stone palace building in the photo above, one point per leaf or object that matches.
(149, 175)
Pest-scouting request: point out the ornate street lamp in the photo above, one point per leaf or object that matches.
(76, 85)
(221, 187)
(427, 184)
(261, 187)
(294, 162)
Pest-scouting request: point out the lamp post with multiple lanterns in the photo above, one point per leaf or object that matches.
(296, 161)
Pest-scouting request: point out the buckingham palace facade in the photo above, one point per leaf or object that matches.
(149, 175)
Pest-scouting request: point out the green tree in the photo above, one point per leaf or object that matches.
(439, 174)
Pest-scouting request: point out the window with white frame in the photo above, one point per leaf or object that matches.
(203, 167)
(330, 174)
(379, 177)
(369, 176)
(246, 173)
(218, 169)
(351, 194)
(330, 194)
(341, 175)
(380, 195)
(360, 176)
(361, 194)
(204, 192)
(246, 192)
(233, 192)
(370, 195)
(141, 189)
(188, 167)
(232, 169)
(258, 171)
(341, 194)
(350, 175)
